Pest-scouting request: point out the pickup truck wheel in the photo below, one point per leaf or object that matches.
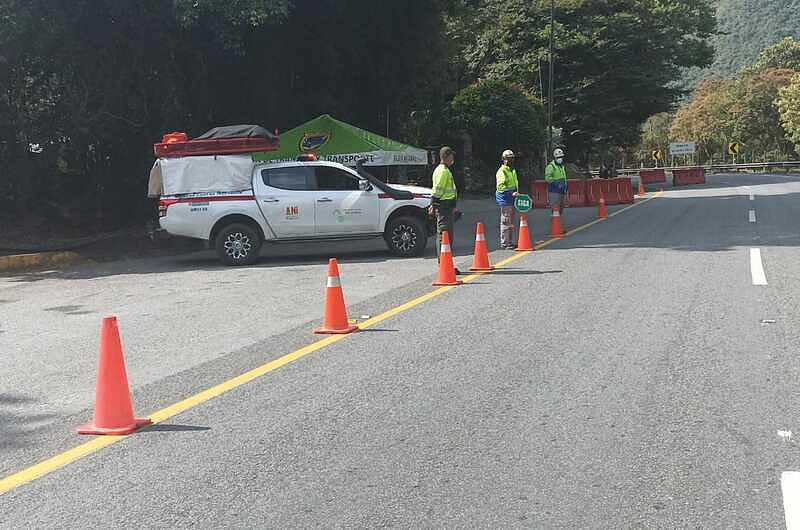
(238, 244)
(406, 236)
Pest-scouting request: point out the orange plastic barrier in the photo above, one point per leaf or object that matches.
(688, 176)
(615, 191)
(576, 194)
(539, 194)
(652, 176)
(587, 192)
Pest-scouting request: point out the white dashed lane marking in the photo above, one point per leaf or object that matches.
(757, 267)
(790, 485)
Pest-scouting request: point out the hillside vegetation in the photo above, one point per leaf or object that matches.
(746, 27)
(757, 108)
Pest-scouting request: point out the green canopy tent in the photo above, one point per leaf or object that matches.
(336, 141)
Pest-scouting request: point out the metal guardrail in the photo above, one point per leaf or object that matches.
(717, 167)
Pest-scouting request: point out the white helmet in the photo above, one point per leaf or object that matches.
(558, 153)
(508, 153)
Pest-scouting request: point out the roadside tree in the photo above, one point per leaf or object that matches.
(498, 116)
(789, 107)
(783, 55)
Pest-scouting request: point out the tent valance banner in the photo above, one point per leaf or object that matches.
(336, 141)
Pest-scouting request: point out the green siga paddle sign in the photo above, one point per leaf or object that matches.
(523, 203)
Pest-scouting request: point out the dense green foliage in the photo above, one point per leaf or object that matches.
(789, 105)
(94, 83)
(785, 54)
(87, 86)
(615, 59)
(503, 117)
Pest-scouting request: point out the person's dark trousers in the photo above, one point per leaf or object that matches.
(444, 221)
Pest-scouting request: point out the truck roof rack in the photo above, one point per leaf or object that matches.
(216, 142)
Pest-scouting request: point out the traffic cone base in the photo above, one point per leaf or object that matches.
(113, 410)
(440, 284)
(91, 428)
(335, 321)
(344, 331)
(480, 262)
(524, 238)
(447, 270)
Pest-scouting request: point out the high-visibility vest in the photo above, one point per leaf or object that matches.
(507, 179)
(444, 186)
(553, 172)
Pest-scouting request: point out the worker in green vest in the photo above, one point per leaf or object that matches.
(556, 177)
(444, 197)
(506, 191)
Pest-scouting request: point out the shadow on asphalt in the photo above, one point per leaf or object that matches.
(18, 429)
(515, 272)
(169, 427)
(271, 257)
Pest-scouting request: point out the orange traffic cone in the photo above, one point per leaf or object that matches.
(524, 238)
(556, 230)
(642, 191)
(335, 319)
(601, 207)
(447, 270)
(480, 262)
(113, 412)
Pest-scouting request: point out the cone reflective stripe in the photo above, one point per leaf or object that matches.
(601, 207)
(335, 318)
(524, 238)
(556, 230)
(480, 263)
(113, 411)
(447, 271)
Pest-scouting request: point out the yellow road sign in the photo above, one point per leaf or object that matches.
(656, 155)
(734, 148)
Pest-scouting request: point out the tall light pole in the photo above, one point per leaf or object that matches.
(550, 82)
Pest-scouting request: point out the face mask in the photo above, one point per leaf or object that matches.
(510, 163)
(559, 161)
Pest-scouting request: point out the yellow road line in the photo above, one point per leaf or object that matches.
(85, 449)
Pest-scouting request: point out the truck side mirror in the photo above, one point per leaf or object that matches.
(364, 185)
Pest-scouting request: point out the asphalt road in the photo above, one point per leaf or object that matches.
(629, 376)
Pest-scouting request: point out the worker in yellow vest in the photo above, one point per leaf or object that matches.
(444, 197)
(555, 174)
(506, 192)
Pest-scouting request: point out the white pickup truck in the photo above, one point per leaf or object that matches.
(301, 201)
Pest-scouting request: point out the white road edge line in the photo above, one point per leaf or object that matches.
(757, 268)
(752, 216)
(790, 485)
